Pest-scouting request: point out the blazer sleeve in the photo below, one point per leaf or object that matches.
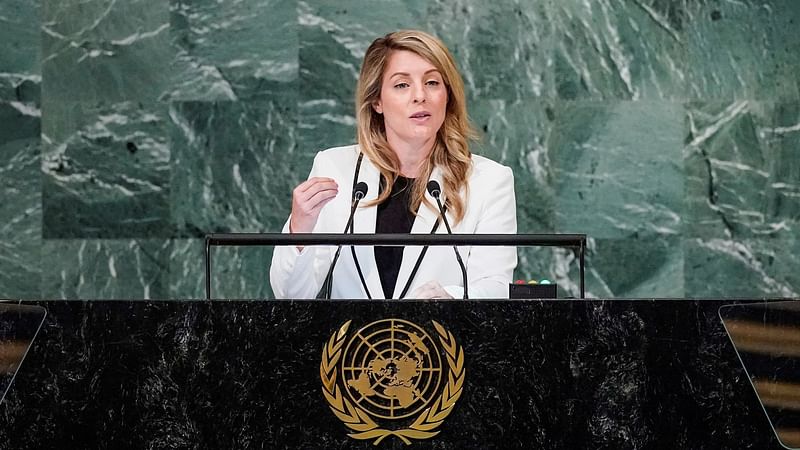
(491, 269)
(297, 274)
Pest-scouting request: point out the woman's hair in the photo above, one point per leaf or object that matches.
(451, 149)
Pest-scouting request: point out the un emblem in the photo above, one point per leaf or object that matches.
(388, 379)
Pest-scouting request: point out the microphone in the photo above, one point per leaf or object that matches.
(436, 191)
(359, 192)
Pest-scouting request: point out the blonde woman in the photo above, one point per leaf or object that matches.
(412, 127)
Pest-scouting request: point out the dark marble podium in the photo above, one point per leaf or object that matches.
(566, 374)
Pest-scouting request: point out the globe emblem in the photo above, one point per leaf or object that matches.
(391, 369)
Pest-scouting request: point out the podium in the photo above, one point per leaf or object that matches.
(555, 374)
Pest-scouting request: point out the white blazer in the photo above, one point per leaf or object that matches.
(490, 208)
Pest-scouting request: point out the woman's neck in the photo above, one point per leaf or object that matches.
(412, 156)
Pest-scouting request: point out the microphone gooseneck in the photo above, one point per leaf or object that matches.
(359, 192)
(436, 191)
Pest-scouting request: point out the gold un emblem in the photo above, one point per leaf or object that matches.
(388, 379)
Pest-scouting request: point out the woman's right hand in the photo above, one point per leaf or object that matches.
(308, 198)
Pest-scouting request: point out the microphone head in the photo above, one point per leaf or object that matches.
(360, 191)
(434, 189)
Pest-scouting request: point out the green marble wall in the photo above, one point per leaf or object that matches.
(668, 131)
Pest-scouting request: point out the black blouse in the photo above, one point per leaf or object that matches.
(394, 216)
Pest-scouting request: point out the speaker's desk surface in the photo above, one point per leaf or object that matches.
(564, 374)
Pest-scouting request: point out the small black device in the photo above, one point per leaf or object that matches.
(523, 291)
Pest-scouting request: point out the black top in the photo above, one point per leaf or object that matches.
(394, 216)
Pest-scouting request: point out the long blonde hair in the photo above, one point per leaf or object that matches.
(451, 149)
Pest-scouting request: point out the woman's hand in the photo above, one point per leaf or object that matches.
(431, 289)
(308, 198)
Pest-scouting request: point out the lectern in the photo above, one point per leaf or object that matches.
(447, 374)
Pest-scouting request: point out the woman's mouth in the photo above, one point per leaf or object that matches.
(420, 116)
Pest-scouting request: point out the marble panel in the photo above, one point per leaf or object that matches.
(742, 267)
(618, 169)
(635, 268)
(233, 50)
(745, 49)
(20, 56)
(187, 269)
(20, 208)
(105, 269)
(105, 50)
(105, 170)
(557, 265)
(503, 47)
(518, 135)
(614, 268)
(742, 162)
(174, 118)
(333, 40)
(620, 49)
(234, 165)
(23, 88)
(236, 272)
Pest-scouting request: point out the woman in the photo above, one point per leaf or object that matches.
(412, 127)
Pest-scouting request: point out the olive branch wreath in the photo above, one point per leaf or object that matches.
(359, 421)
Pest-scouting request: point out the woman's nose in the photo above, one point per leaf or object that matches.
(419, 95)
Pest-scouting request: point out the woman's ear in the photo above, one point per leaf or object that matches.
(376, 105)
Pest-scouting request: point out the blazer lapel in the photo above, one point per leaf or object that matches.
(364, 223)
(423, 223)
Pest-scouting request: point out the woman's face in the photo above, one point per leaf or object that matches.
(413, 99)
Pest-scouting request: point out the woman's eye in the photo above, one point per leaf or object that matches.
(401, 85)
(433, 83)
